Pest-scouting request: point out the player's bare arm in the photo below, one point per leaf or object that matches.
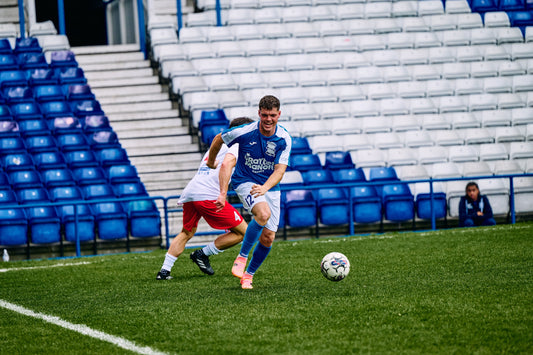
(216, 144)
(273, 180)
(224, 177)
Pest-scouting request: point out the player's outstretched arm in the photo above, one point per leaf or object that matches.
(216, 144)
(224, 176)
(273, 180)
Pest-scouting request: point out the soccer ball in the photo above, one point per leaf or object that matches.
(335, 266)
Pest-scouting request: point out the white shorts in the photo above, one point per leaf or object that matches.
(273, 198)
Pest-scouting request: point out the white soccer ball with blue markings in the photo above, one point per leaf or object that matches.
(335, 266)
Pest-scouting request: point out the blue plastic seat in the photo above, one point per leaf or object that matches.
(521, 18)
(529, 4)
(300, 208)
(26, 111)
(313, 177)
(79, 92)
(64, 125)
(21, 179)
(333, 206)
(35, 127)
(103, 139)
(130, 189)
(484, 5)
(89, 175)
(83, 108)
(32, 60)
(45, 225)
(382, 174)
(81, 158)
(71, 75)
(56, 109)
(57, 177)
(67, 213)
(511, 5)
(7, 196)
(10, 145)
(398, 202)
(8, 62)
(13, 78)
(72, 141)
(17, 161)
(366, 204)
(27, 45)
(300, 145)
(42, 76)
(43, 221)
(17, 94)
(13, 227)
(423, 205)
(49, 160)
(48, 93)
(5, 112)
(111, 219)
(112, 156)
(65, 58)
(4, 181)
(122, 173)
(98, 191)
(208, 132)
(144, 218)
(5, 46)
(40, 144)
(305, 162)
(348, 175)
(338, 160)
(93, 123)
(213, 117)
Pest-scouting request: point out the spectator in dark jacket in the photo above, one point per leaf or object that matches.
(474, 208)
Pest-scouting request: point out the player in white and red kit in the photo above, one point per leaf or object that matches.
(198, 199)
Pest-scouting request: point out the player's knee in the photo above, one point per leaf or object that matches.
(262, 216)
(469, 222)
(267, 238)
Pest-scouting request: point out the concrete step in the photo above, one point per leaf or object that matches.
(119, 74)
(138, 107)
(152, 132)
(106, 49)
(119, 83)
(156, 142)
(112, 100)
(137, 150)
(167, 177)
(162, 163)
(88, 67)
(141, 115)
(174, 187)
(119, 57)
(169, 123)
(128, 91)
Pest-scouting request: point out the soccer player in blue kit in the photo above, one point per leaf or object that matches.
(264, 150)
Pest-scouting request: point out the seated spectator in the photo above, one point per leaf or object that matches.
(474, 208)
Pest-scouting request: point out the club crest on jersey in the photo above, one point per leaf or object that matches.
(271, 149)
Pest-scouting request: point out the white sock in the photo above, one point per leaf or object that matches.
(169, 262)
(211, 249)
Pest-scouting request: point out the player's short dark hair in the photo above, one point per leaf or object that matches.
(239, 121)
(470, 184)
(269, 102)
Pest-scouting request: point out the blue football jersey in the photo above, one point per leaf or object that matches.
(257, 154)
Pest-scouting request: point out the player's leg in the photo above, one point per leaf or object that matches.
(227, 218)
(190, 218)
(268, 235)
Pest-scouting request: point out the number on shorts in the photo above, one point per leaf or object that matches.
(249, 200)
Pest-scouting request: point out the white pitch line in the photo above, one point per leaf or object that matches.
(44, 267)
(82, 329)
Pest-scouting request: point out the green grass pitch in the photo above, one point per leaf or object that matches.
(461, 291)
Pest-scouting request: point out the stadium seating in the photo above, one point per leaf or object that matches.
(398, 202)
(300, 208)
